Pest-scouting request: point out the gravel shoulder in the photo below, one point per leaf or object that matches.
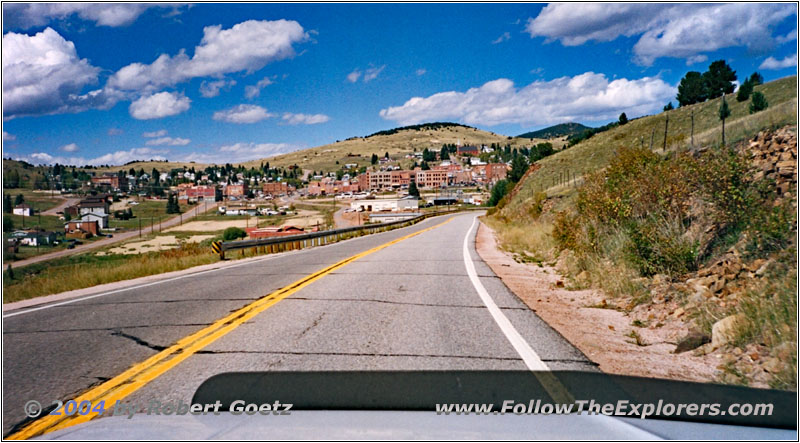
(604, 335)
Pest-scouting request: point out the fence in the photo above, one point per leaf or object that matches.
(302, 241)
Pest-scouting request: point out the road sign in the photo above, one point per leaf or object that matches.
(216, 247)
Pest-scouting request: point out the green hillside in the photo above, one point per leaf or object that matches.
(558, 130)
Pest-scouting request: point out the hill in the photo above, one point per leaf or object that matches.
(397, 142)
(559, 130)
(693, 243)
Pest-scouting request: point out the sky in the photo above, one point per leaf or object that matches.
(111, 83)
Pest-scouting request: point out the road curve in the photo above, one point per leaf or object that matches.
(411, 305)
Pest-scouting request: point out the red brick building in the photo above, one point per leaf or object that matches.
(237, 190)
(496, 172)
(113, 181)
(275, 188)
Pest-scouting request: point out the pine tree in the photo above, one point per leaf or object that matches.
(745, 89)
(724, 112)
(719, 79)
(623, 119)
(759, 103)
(412, 189)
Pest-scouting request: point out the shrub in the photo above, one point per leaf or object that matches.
(233, 233)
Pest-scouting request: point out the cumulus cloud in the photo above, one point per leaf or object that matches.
(354, 76)
(72, 147)
(253, 91)
(168, 141)
(247, 46)
(243, 114)
(112, 158)
(306, 119)
(212, 88)
(241, 152)
(163, 104)
(42, 74)
(506, 36)
(159, 133)
(791, 36)
(8, 137)
(667, 30)
(585, 97)
(772, 63)
(28, 15)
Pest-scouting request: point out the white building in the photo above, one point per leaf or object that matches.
(23, 209)
(409, 203)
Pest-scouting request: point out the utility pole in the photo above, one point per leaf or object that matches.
(666, 125)
(140, 228)
(652, 136)
(692, 128)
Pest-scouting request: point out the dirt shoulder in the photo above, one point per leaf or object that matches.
(605, 335)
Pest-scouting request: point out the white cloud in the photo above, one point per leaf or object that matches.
(212, 88)
(168, 141)
(372, 73)
(584, 97)
(42, 74)
(247, 46)
(306, 119)
(243, 114)
(506, 36)
(115, 131)
(112, 158)
(354, 76)
(28, 15)
(72, 147)
(163, 104)
(8, 137)
(241, 152)
(252, 91)
(791, 36)
(421, 71)
(696, 59)
(667, 30)
(159, 133)
(772, 63)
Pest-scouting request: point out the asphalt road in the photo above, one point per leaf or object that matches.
(411, 305)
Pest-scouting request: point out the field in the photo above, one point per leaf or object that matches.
(148, 212)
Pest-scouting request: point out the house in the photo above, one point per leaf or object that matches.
(96, 209)
(23, 209)
(275, 188)
(38, 238)
(81, 229)
(496, 172)
(113, 181)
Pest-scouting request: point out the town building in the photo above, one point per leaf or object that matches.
(94, 209)
(496, 172)
(81, 229)
(113, 181)
(408, 203)
(236, 190)
(383, 217)
(23, 209)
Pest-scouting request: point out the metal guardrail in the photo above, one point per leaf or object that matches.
(319, 238)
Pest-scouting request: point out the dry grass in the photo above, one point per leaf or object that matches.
(596, 152)
(87, 270)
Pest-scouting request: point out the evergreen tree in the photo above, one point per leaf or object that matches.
(719, 79)
(669, 107)
(745, 89)
(692, 89)
(519, 166)
(756, 79)
(374, 159)
(623, 119)
(19, 199)
(7, 206)
(759, 103)
(724, 112)
(412, 189)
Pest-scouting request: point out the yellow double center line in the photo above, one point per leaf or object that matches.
(142, 373)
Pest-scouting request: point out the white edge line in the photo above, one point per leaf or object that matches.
(522, 347)
(194, 274)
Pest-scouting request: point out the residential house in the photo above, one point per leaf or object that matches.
(94, 209)
(81, 229)
(38, 238)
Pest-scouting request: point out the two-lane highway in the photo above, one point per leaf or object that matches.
(394, 300)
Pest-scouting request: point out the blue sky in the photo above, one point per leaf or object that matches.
(111, 83)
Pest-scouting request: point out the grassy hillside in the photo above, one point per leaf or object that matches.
(596, 152)
(397, 144)
(559, 130)
(699, 238)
